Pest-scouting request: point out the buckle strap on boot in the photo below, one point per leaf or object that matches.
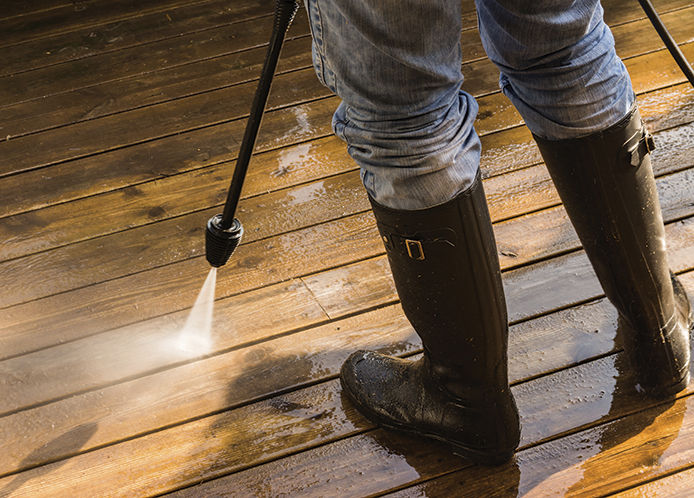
(637, 147)
(414, 246)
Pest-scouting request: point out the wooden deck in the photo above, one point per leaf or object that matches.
(120, 122)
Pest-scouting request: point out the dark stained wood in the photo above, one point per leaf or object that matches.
(528, 189)
(619, 12)
(101, 260)
(20, 321)
(379, 460)
(15, 9)
(633, 38)
(109, 66)
(102, 99)
(120, 34)
(150, 88)
(170, 288)
(161, 120)
(85, 263)
(75, 15)
(530, 291)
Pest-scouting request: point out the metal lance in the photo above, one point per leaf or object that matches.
(223, 232)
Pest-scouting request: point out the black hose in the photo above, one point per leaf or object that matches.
(667, 39)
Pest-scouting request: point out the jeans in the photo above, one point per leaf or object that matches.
(396, 65)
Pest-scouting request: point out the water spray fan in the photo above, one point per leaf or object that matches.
(223, 232)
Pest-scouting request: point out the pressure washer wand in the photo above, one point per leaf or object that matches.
(668, 40)
(224, 231)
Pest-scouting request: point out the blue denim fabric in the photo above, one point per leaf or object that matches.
(396, 66)
(558, 64)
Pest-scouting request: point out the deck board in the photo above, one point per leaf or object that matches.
(116, 152)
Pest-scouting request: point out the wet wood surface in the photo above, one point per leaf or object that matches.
(121, 123)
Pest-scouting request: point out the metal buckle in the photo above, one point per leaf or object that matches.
(644, 146)
(415, 245)
(650, 143)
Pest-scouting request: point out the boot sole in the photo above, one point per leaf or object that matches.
(475, 455)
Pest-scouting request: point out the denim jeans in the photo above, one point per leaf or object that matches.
(396, 65)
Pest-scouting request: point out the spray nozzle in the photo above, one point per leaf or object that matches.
(220, 243)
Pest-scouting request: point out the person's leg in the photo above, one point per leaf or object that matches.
(559, 68)
(396, 65)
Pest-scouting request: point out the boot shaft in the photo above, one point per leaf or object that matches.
(446, 271)
(606, 183)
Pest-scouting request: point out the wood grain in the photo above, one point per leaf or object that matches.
(677, 485)
(75, 15)
(178, 195)
(121, 34)
(103, 202)
(299, 423)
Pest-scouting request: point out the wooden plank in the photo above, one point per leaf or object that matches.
(196, 389)
(134, 61)
(618, 12)
(175, 239)
(164, 119)
(542, 390)
(644, 69)
(151, 27)
(179, 153)
(133, 206)
(381, 460)
(312, 416)
(594, 462)
(111, 64)
(69, 180)
(637, 38)
(15, 9)
(320, 347)
(158, 121)
(302, 357)
(530, 291)
(173, 287)
(103, 99)
(77, 15)
(150, 88)
(654, 105)
(567, 273)
(176, 21)
(70, 315)
(181, 194)
(678, 485)
(570, 275)
(661, 109)
(552, 235)
(96, 260)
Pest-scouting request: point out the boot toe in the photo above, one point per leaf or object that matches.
(349, 373)
(365, 378)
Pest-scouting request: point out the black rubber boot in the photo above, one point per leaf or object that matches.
(446, 271)
(606, 183)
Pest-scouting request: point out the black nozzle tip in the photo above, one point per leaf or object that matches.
(220, 243)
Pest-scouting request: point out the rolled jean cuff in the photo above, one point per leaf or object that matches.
(551, 129)
(414, 161)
